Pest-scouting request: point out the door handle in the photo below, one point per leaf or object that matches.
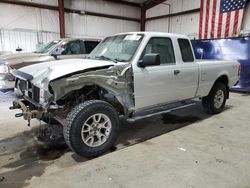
(177, 72)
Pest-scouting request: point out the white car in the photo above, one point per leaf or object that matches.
(136, 75)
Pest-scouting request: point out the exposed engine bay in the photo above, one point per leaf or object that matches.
(113, 84)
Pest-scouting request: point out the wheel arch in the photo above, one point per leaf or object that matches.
(95, 91)
(225, 80)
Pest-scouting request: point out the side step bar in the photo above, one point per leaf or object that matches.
(135, 118)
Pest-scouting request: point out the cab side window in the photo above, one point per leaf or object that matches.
(162, 46)
(186, 50)
(72, 47)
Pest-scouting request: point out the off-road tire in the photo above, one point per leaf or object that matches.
(208, 101)
(74, 122)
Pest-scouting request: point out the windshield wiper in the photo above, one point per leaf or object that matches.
(103, 58)
(106, 58)
(110, 59)
(119, 60)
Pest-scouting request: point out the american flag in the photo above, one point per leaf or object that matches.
(220, 18)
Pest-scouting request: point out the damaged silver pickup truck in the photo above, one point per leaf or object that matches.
(135, 75)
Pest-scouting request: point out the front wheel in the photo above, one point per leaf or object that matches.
(215, 102)
(91, 128)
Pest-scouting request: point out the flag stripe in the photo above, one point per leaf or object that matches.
(210, 19)
(207, 18)
(241, 15)
(236, 17)
(231, 28)
(204, 18)
(216, 19)
(223, 25)
(213, 18)
(201, 19)
(227, 24)
(219, 26)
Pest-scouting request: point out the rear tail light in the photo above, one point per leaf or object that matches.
(239, 69)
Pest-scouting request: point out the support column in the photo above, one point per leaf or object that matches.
(61, 18)
(143, 17)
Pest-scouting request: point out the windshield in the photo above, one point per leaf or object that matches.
(45, 48)
(117, 48)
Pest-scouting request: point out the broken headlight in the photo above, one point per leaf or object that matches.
(44, 96)
(4, 68)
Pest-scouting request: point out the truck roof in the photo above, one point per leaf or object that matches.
(85, 39)
(156, 33)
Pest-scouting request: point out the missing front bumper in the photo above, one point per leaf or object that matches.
(29, 111)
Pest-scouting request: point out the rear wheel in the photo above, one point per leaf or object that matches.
(91, 128)
(215, 102)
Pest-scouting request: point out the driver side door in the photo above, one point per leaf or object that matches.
(155, 85)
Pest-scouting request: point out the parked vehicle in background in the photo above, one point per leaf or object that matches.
(135, 75)
(5, 52)
(54, 50)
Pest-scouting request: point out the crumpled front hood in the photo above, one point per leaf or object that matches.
(43, 73)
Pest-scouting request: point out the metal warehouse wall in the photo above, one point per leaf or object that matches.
(77, 25)
(26, 26)
(186, 24)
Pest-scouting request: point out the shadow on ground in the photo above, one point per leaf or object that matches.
(23, 158)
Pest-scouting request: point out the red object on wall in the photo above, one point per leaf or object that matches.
(221, 18)
(61, 18)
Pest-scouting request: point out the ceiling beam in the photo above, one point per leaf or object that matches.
(124, 3)
(29, 4)
(143, 18)
(103, 15)
(151, 3)
(174, 14)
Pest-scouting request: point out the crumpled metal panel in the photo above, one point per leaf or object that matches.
(228, 49)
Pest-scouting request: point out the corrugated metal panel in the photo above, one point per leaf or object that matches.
(104, 7)
(92, 26)
(22, 27)
(160, 25)
(24, 39)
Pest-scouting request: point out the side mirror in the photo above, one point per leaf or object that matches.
(54, 55)
(57, 52)
(149, 60)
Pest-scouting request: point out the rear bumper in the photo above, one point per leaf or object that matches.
(7, 81)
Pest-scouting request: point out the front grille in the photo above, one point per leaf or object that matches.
(22, 85)
(35, 93)
(29, 90)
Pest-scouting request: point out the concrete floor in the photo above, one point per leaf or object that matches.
(184, 149)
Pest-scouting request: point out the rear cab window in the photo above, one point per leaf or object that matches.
(90, 45)
(186, 50)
